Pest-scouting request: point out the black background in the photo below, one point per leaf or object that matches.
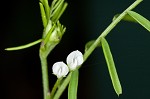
(20, 71)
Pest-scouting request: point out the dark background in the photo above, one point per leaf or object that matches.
(20, 71)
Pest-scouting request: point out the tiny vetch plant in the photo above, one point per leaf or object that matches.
(68, 74)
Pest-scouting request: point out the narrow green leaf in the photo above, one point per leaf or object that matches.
(88, 45)
(43, 15)
(57, 10)
(140, 19)
(56, 3)
(126, 18)
(62, 11)
(111, 66)
(73, 85)
(41, 1)
(23, 46)
(47, 8)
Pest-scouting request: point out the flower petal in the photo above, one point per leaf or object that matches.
(74, 59)
(60, 69)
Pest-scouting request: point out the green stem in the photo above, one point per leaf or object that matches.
(55, 87)
(45, 79)
(63, 86)
(86, 55)
(95, 44)
(109, 28)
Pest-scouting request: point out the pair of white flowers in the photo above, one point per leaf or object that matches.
(74, 59)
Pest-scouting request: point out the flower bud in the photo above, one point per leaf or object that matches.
(60, 69)
(74, 59)
(55, 36)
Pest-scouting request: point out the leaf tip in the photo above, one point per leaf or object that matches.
(119, 92)
(8, 49)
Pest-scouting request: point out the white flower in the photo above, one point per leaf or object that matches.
(74, 59)
(60, 69)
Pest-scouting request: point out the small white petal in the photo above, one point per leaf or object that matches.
(74, 59)
(60, 69)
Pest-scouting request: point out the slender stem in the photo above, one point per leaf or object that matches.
(115, 22)
(55, 87)
(43, 57)
(109, 28)
(63, 86)
(86, 55)
(45, 79)
(95, 44)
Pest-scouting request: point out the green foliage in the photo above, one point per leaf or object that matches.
(57, 9)
(43, 14)
(62, 87)
(88, 45)
(52, 34)
(73, 85)
(140, 19)
(111, 66)
(137, 18)
(126, 18)
(24, 46)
